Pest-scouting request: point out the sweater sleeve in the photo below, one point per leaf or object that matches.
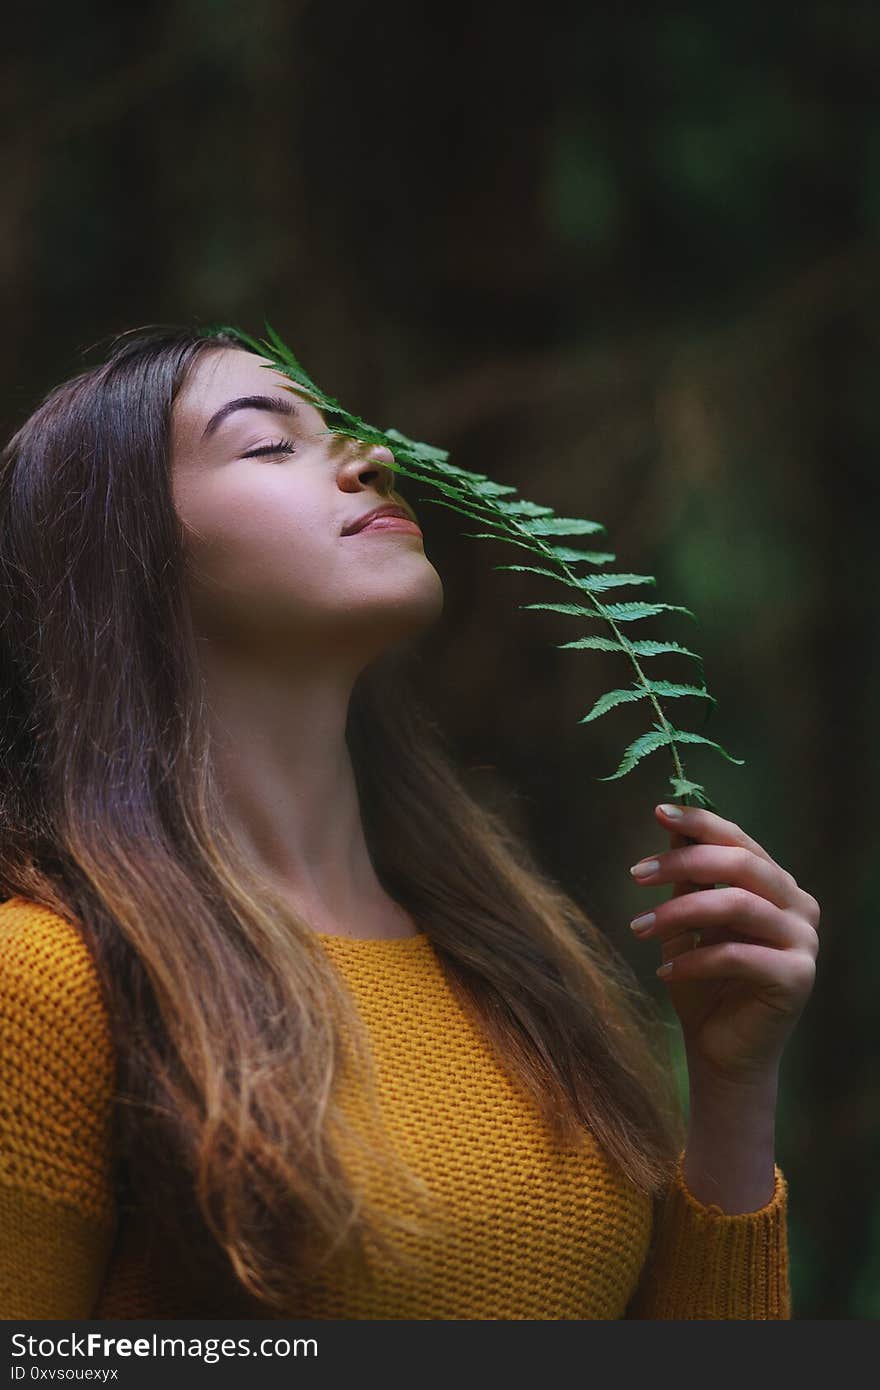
(57, 1076)
(707, 1264)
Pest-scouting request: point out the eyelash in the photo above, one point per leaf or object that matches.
(282, 446)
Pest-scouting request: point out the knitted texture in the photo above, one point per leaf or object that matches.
(520, 1228)
(57, 1076)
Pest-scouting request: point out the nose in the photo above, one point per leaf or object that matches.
(370, 467)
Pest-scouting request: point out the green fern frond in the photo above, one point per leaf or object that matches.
(562, 552)
(619, 697)
(562, 526)
(620, 612)
(593, 583)
(532, 526)
(641, 646)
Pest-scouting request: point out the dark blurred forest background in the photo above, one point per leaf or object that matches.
(624, 260)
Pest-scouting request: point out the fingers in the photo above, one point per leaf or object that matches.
(703, 825)
(729, 909)
(785, 978)
(724, 864)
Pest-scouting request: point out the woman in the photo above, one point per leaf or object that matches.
(291, 1026)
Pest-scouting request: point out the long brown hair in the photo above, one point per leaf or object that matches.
(230, 1025)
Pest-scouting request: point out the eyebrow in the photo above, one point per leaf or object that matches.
(270, 403)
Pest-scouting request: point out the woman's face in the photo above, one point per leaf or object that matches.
(264, 496)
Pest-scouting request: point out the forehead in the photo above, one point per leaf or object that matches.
(220, 376)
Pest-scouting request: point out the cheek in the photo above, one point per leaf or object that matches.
(253, 550)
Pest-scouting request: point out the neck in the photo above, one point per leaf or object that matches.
(284, 768)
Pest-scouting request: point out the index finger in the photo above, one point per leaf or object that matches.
(699, 826)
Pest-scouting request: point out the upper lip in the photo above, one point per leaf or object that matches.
(389, 509)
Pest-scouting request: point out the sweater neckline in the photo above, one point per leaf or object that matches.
(418, 936)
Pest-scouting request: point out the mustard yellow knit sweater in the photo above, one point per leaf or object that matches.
(527, 1231)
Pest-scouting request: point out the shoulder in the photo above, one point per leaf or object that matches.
(57, 1066)
(47, 974)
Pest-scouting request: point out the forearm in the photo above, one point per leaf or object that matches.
(729, 1157)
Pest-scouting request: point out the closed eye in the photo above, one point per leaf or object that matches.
(281, 446)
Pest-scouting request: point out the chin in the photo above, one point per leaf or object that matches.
(390, 615)
(422, 607)
(415, 611)
(434, 595)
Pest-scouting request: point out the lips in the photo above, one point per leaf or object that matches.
(374, 514)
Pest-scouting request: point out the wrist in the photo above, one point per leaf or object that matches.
(709, 1088)
(729, 1157)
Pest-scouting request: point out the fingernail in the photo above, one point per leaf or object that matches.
(671, 812)
(646, 869)
(642, 923)
(664, 969)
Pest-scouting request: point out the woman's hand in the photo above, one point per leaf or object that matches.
(739, 987)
